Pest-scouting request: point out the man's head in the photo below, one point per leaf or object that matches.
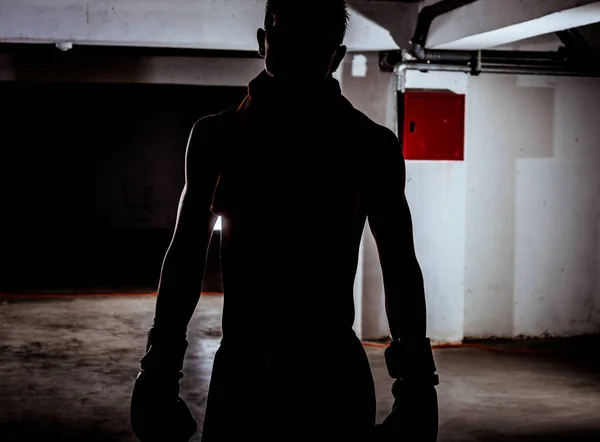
(303, 40)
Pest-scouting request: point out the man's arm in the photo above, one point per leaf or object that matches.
(391, 224)
(184, 263)
(409, 357)
(157, 412)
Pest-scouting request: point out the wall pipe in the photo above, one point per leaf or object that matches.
(391, 58)
(575, 59)
(500, 69)
(426, 17)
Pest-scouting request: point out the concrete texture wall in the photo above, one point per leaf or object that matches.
(533, 207)
(508, 239)
(435, 191)
(510, 122)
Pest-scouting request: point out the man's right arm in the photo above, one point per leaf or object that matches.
(184, 263)
(157, 411)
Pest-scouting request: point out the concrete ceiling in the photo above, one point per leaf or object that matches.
(490, 23)
(397, 17)
(197, 24)
(376, 25)
(551, 42)
(506, 24)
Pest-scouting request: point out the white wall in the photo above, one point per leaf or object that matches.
(435, 192)
(533, 206)
(509, 239)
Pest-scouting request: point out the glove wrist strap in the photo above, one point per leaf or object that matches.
(165, 353)
(411, 362)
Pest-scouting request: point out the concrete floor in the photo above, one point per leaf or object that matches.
(68, 365)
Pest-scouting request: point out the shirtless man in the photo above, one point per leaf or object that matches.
(297, 153)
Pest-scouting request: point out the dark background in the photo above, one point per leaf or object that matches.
(91, 179)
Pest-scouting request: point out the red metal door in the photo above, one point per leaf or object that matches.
(433, 125)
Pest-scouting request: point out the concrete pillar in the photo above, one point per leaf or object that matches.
(435, 191)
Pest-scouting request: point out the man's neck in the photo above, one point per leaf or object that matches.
(276, 87)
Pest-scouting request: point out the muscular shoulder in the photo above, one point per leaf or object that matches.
(378, 140)
(208, 141)
(381, 161)
(212, 129)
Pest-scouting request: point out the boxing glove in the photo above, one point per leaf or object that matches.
(414, 414)
(157, 411)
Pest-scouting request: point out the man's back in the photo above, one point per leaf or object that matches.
(304, 166)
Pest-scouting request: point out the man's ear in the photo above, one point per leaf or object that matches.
(260, 37)
(339, 55)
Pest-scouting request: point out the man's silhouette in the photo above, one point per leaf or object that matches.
(298, 154)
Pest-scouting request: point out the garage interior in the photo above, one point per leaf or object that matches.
(496, 103)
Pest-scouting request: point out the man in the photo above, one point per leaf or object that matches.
(298, 153)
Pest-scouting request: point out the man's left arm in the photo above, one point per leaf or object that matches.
(390, 221)
(409, 357)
